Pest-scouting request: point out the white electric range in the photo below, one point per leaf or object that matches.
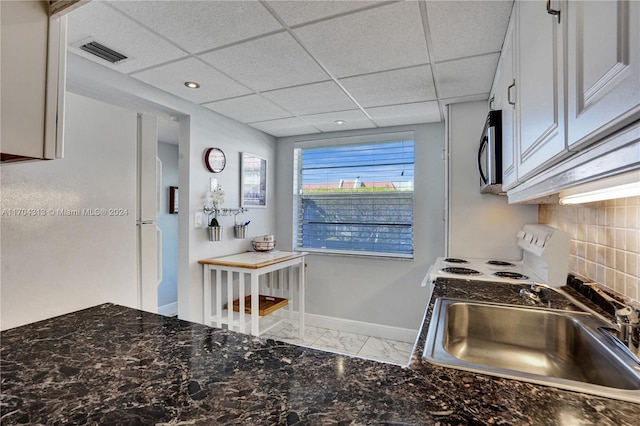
(545, 260)
(514, 272)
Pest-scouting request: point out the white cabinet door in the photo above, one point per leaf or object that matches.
(540, 86)
(603, 68)
(33, 55)
(506, 92)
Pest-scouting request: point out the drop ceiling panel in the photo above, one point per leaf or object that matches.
(213, 84)
(396, 115)
(406, 85)
(470, 76)
(327, 60)
(311, 98)
(466, 28)
(248, 109)
(266, 63)
(379, 39)
(98, 22)
(201, 25)
(354, 119)
(299, 12)
(286, 127)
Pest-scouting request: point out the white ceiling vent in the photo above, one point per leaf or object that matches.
(103, 52)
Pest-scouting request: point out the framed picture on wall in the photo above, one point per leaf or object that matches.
(253, 181)
(173, 200)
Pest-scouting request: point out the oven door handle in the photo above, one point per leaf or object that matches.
(483, 144)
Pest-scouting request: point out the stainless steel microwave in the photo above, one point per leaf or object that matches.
(490, 155)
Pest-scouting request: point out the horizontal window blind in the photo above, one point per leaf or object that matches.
(356, 198)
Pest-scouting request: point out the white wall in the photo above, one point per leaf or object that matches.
(480, 225)
(168, 224)
(374, 290)
(207, 129)
(200, 128)
(53, 264)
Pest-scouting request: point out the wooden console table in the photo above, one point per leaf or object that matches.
(254, 265)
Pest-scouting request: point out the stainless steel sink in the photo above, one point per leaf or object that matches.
(562, 349)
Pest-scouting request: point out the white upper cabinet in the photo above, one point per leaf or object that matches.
(540, 97)
(576, 82)
(504, 95)
(603, 68)
(33, 53)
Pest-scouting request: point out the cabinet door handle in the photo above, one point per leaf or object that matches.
(509, 94)
(552, 11)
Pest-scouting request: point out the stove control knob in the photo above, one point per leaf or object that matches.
(521, 235)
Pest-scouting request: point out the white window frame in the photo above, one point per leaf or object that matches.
(349, 140)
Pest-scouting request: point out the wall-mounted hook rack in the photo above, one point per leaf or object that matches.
(224, 211)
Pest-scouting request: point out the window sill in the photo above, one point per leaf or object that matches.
(364, 255)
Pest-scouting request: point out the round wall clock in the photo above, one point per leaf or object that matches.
(215, 160)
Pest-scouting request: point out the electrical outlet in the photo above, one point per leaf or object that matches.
(199, 219)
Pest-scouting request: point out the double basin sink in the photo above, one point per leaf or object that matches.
(568, 350)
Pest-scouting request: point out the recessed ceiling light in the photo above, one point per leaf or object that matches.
(340, 122)
(192, 84)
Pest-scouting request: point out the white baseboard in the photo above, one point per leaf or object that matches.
(358, 327)
(168, 310)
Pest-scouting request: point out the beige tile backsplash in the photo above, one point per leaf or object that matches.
(605, 241)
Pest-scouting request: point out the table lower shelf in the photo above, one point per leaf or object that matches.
(266, 323)
(266, 304)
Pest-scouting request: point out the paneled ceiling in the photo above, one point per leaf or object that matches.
(300, 67)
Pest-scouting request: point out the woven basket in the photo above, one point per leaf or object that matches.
(263, 245)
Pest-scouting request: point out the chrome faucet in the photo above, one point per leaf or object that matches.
(629, 327)
(536, 292)
(627, 322)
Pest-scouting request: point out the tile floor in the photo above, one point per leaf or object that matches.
(384, 350)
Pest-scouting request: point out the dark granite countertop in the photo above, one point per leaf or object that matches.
(119, 366)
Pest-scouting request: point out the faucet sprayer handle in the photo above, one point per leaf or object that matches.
(537, 287)
(626, 315)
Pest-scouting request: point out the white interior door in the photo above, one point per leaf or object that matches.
(148, 205)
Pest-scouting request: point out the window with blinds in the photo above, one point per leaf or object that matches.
(356, 198)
